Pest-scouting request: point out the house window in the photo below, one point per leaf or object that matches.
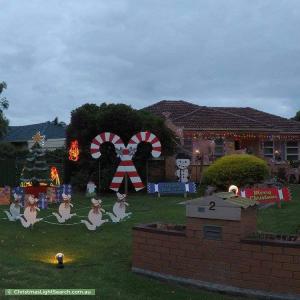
(219, 148)
(292, 150)
(268, 149)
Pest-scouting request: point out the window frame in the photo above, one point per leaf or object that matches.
(220, 146)
(292, 154)
(266, 155)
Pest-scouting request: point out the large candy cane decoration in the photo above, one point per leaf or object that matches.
(105, 137)
(126, 153)
(147, 137)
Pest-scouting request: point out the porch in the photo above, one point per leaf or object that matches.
(281, 151)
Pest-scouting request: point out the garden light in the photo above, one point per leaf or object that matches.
(60, 260)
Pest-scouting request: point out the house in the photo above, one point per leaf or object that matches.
(21, 136)
(207, 133)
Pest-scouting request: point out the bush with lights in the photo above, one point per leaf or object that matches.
(240, 169)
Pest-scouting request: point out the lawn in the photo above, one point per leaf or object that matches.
(102, 259)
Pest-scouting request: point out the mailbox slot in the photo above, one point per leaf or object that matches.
(212, 232)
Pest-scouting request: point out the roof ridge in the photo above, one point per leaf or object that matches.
(189, 113)
(169, 101)
(246, 118)
(285, 119)
(41, 123)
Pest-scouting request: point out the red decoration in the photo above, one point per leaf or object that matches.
(35, 190)
(74, 151)
(267, 195)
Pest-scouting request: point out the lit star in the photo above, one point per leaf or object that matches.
(38, 138)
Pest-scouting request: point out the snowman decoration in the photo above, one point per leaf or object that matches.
(29, 218)
(182, 163)
(15, 208)
(95, 216)
(119, 209)
(64, 210)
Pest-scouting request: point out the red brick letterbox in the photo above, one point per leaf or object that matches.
(218, 249)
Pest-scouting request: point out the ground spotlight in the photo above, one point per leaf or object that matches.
(60, 260)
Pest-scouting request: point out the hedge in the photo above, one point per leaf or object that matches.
(237, 169)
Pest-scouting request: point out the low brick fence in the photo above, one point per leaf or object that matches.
(219, 252)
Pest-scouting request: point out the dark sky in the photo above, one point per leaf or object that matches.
(57, 55)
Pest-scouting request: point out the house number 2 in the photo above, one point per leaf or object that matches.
(212, 205)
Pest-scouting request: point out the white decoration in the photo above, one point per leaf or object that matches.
(233, 189)
(95, 216)
(182, 172)
(64, 210)
(15, 209)
(119, 209)
(29, 218)
(90, 188)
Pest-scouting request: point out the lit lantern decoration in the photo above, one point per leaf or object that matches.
(233, 189)
(74, 151)
(55, 176)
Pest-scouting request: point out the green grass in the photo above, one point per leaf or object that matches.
(284, 220)
(102, 259)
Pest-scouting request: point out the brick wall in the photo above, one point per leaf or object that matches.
(234, 260)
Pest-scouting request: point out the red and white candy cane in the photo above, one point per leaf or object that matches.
(105, 137)
(147, 137)
(126, 165)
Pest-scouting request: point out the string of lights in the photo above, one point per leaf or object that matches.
(239, 135)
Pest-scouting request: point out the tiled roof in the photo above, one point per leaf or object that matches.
(25, 133)
(236, 200)
(283, 124)
(224, 199)
(192, 116)
(176, 108)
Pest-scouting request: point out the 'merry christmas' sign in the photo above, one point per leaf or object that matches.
(267, 195)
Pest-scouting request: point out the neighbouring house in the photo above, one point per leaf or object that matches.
(206, 133)
(21, 136)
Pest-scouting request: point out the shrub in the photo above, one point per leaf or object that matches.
(238, 169)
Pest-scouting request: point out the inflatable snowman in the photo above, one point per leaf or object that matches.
(119, 209)
(29, 218)
(64, 210)
(182, 163)
(95, 216)
(15, 208)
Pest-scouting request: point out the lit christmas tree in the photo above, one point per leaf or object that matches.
(36, 170)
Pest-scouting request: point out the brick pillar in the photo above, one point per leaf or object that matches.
(248, 221)
(234, 230)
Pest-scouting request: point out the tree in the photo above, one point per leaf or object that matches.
(3, 105)
(36, 170)
(89, 120)
(59, 123)
(297, 116)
